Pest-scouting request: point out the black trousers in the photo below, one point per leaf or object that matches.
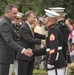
(25, 67)
(4, 69)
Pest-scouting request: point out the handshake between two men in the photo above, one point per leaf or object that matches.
(28, 52)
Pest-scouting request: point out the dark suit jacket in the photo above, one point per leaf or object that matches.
(7, 41)
(27, 40)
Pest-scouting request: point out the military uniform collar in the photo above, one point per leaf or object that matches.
(60, 22)
(52, 25)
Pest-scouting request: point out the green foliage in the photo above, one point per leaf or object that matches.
(70, 9)
(39, 5)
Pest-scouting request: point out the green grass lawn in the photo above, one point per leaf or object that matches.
(37, 71)
(41, 72)
(71, 74)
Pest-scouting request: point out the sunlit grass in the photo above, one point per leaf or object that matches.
(37, 71)
(41, 72)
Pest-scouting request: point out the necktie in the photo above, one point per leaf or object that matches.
(32, 31)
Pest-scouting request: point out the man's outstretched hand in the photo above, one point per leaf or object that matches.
(28, 52)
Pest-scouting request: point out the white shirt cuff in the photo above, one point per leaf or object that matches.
(23, 50)
(41, 41)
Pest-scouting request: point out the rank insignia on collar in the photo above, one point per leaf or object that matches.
(52, 37)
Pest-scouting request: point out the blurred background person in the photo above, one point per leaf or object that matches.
(71, 65)
(69, 23)
(39, 28)
(73, 34)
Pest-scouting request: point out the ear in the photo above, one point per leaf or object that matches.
(8, 12)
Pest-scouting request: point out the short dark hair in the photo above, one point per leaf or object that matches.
(27, 14)
(9, 7)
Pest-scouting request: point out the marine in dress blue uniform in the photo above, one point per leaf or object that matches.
(63, 28)
(55, 62)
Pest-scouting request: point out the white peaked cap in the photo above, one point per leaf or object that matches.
(57, 9)
(51, 13)
(41, 19)
(19, 15)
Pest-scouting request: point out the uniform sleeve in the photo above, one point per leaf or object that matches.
(40, 36)
(39, 52)
(53, 45)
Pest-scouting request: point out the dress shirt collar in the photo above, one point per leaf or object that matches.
(28, 24)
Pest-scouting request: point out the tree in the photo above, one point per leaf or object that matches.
(39, 5)
(70, 9)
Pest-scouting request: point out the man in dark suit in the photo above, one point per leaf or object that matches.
(17, 23)
(27, 40)
(7, 40)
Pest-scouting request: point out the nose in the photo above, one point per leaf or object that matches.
(15, 15)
